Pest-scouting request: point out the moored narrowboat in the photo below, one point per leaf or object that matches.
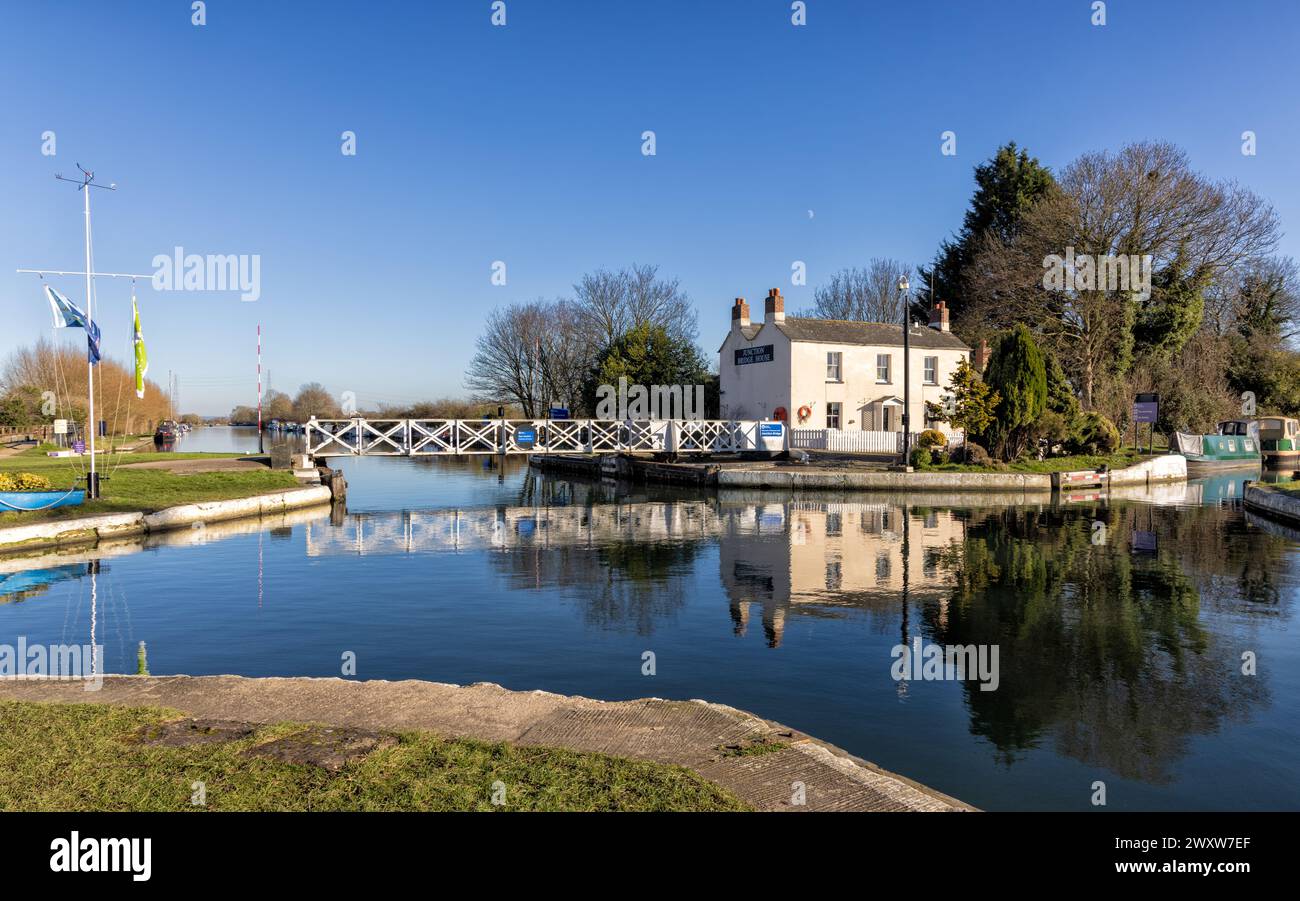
(1235, 446)
(1279, 441)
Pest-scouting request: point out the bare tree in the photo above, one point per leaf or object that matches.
(313, 400)
(566, 354)
(866, 295)
(533, 354)
(1260, 297)
(613, 303)
(507, 363)
(1143, 200)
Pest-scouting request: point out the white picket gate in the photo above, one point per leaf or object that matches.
(845, 440)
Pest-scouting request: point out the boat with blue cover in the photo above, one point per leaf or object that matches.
(41, 500)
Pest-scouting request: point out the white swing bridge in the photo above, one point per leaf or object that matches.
(454, 437)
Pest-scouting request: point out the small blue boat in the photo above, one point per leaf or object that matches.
(41, 500)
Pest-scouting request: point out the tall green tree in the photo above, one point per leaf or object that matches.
(1017, 370)
(1006, 187)
(647, 355)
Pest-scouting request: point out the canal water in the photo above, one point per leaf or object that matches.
(1122, 628)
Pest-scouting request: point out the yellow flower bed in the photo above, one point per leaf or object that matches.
(23, 481)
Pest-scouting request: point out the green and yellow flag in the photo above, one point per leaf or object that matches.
(141, 358)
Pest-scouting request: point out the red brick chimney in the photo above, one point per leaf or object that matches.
(980, 356)
(939, 317)
(774, 306)
(740, 314)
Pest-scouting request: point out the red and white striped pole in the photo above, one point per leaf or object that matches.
(259, 387)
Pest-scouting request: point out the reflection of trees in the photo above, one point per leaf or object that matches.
(619, 584)
(1100, 648)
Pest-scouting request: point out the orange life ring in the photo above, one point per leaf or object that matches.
(804, 412)
(779, 414)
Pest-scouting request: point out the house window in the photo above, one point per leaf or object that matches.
(832, 416)
(932, 370)
(882, 368)
(833, 360)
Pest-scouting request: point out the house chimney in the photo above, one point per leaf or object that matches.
(774, 306)
(740, 314)
(980, 356)
(939, 317)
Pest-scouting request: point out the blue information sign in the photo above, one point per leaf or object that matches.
(525, 437)
(770, 430)
(1146, 411)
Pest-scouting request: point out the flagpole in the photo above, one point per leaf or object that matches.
(92, 481)
(85, 183)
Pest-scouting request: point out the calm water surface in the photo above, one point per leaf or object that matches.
(1120, 644)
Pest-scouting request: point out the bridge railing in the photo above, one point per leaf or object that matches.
(448, 437)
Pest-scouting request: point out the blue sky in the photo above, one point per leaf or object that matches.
(522, 143)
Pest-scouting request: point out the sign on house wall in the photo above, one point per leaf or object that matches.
(762, 354)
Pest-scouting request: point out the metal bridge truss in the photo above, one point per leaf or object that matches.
(447, 437)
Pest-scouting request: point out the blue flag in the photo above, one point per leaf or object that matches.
(68, 315)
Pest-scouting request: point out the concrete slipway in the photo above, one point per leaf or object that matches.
(698, 735)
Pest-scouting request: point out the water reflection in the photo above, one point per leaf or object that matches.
(1121, 625)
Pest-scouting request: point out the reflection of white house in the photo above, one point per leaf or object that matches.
(811, 556)
(831, 374)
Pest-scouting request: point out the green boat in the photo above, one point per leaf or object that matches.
(1279, 439)
(1234, 447)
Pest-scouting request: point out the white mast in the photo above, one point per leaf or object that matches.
(85, 183)
(93, 427)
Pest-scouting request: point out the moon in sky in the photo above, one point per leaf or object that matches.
(810, 214)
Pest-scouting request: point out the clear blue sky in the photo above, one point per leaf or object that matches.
(478, 143)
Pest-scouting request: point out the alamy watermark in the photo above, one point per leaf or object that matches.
(183, 271)
(652, 402)
(58, 661)
(1129, 272)
(946, 663)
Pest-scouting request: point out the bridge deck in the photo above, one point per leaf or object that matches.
(448, 437)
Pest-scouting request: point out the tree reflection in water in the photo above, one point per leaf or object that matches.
(1102, 647)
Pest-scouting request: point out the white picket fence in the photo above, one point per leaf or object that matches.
(861, 442)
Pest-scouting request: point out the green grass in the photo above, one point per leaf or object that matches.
(84, 757)
(1051, 464)
(129, 490)
(765, 745)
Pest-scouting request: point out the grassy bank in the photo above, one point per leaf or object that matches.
(1051, 464)
(128, 490)
(96, 757)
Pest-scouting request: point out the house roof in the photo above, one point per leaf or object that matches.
(843, 331)
(839, 331)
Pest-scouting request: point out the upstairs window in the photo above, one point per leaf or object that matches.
(932, 370)
(882, 368)
(834, 361)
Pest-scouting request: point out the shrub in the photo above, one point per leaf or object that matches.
(921, 457)
(1095, 434)
(23, 481)
(1051, 427)
(973, 454)
(932, 438)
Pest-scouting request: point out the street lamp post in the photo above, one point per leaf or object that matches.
(907, 370)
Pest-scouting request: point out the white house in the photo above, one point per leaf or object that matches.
(833, 374)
